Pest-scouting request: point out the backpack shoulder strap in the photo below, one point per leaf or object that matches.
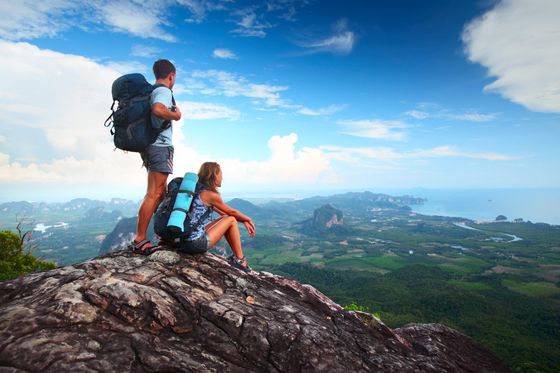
(209, 210)
(167, 123)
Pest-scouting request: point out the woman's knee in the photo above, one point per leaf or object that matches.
(230, 219)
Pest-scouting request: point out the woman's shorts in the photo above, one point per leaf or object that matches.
(197, 246)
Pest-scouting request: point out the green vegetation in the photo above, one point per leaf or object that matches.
(523, 331)
(532, 289)
(356, 307)
(16, 256)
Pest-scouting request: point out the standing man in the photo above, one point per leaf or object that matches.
(158, 157)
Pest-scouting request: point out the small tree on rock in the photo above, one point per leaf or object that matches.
(16, 256)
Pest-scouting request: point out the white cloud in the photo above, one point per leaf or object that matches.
(285, 166)
(342, 41)
(71, 115)
(249, 24)
(80, 156)
(376, 129)
(288, 9)
(224, 54)
(200, 8)
(328, 110)
(451, 151)
(472, 117)
(205, 110)
(223, 83)
(418, 114)
(232, 85)
(142, 19)
(442, 113)
(518, 42)
(28, 19)
(385, 154)
(357, 155)
(140, 50)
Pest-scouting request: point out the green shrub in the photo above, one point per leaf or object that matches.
(16, 256)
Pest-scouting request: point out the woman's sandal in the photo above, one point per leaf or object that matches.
(238, 263)
(138, 247)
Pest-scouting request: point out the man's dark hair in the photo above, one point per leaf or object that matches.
(162, 68)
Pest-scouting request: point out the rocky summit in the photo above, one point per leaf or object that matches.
(172, 312)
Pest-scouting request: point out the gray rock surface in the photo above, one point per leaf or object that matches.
(173, 312)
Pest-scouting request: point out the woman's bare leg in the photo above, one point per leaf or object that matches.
(225, 226)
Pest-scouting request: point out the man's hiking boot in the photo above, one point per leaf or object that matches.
(138, 247)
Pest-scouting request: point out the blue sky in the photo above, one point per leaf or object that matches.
(289, 96)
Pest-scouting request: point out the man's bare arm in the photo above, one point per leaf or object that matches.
(160, 111)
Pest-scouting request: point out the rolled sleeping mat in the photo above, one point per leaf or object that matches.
(182, 204)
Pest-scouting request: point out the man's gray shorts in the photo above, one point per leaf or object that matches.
(158, 159)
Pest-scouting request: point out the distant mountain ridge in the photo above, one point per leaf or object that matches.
(91, 208)
(364, 198)
(77, 204)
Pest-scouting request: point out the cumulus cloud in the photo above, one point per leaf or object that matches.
(376, 129)
(224, 54)
(69, 114)
(285, 165)
(78, 149)
(341, 41)
(518, 42)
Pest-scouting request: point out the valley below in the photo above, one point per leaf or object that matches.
(497, 281)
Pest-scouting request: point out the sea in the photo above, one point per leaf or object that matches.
(535, 205)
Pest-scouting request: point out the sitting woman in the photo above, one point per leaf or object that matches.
(205, 232)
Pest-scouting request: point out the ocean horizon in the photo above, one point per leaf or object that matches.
(535, 205)
(538, 205)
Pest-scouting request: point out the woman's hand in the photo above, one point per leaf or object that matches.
(250, 226)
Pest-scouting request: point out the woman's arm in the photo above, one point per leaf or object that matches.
(214, 199)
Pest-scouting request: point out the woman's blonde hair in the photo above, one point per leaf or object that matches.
(208, 173)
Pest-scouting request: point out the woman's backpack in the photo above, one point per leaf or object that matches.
(165, 208)
(132, 120)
